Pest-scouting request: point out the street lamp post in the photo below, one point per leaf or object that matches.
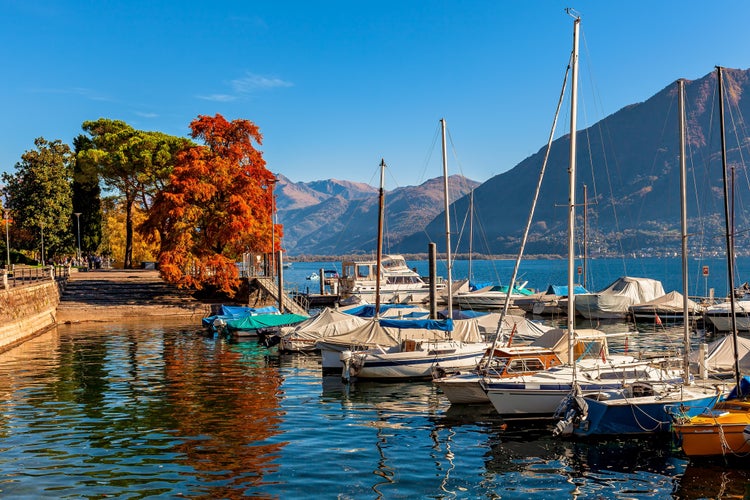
(78, 225)
(42, 224)
(7, 239)
(272, 182)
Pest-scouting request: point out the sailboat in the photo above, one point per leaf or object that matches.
(645, 407)
(539, 395)
(411, 356)
(720, 431)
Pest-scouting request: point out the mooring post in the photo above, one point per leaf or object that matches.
(280, 274)
(432, 251)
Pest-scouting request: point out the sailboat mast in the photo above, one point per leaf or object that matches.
(447, 223)
(379, 258)
(572, 192)
(728, 227)
(471, 231)
(684, 228)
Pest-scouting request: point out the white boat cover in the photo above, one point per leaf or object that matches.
(589, 343)
(619, 296)
(372, 334)
(720, 355)
(326, 323)
(670, 302)
(525, 329)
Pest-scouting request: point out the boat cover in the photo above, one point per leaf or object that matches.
(227, 312)
(373, 334)
(526, 330)
(589, 343)
(324, 324)
(562, 290)
(621, 294)
(720, 354)
(368, 310)
(264, 321)
(670, 302)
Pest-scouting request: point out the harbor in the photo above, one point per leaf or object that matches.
(151, 404)
(159, 409)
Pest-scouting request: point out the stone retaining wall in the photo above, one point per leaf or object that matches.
(27, 311)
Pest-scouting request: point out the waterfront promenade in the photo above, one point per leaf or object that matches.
(104, 295)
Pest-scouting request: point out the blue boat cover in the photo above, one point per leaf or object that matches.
(562, 290)
(476, 286)
(368, 310)
(416, 315)
(235, 312)
(445, 325)
(463, 314)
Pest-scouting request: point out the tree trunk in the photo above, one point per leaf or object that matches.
(128, 261)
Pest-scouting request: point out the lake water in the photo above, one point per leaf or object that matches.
(543, 272)
(139, 410)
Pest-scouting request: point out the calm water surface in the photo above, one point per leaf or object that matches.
(161, 410)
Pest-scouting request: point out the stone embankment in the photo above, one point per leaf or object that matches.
(113, 295)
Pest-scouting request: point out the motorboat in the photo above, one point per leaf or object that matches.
(398, 282)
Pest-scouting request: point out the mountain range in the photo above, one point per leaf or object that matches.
(628, 163)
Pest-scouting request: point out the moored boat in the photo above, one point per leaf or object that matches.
(613, 301)
(398, 282)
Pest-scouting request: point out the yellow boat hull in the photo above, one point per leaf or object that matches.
(717, 432)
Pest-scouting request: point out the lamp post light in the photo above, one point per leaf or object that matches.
(6, 219)
(78, 225)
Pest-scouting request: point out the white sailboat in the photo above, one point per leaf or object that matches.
(644, 407)
(539, 395)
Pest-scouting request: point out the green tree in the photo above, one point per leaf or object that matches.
(38, 196)
(134, 163)
(86, 199)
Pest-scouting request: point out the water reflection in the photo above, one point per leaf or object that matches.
(109, 407)
(161, 410)
(225, 404)
(713, 481)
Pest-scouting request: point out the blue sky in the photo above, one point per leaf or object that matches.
(336, 85)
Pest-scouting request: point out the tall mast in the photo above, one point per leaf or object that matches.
(471, 231)
(572, 190)
(683, 226)
(728, 227)
(379, 258)
(447, 223)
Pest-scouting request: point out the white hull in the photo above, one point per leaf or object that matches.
(485, 300)
(449, 355)
(331, 357)
(463, 389)
(539, 396)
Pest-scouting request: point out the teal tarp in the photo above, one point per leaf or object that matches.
(264, 321)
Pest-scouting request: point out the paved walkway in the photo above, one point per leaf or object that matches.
(115, 294)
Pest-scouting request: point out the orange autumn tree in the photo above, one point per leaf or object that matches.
(216, 206)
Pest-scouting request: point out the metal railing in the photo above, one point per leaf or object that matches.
(32, 275)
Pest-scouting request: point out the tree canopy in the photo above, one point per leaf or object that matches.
(135, 163)
(38, 195)
(216, 206)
